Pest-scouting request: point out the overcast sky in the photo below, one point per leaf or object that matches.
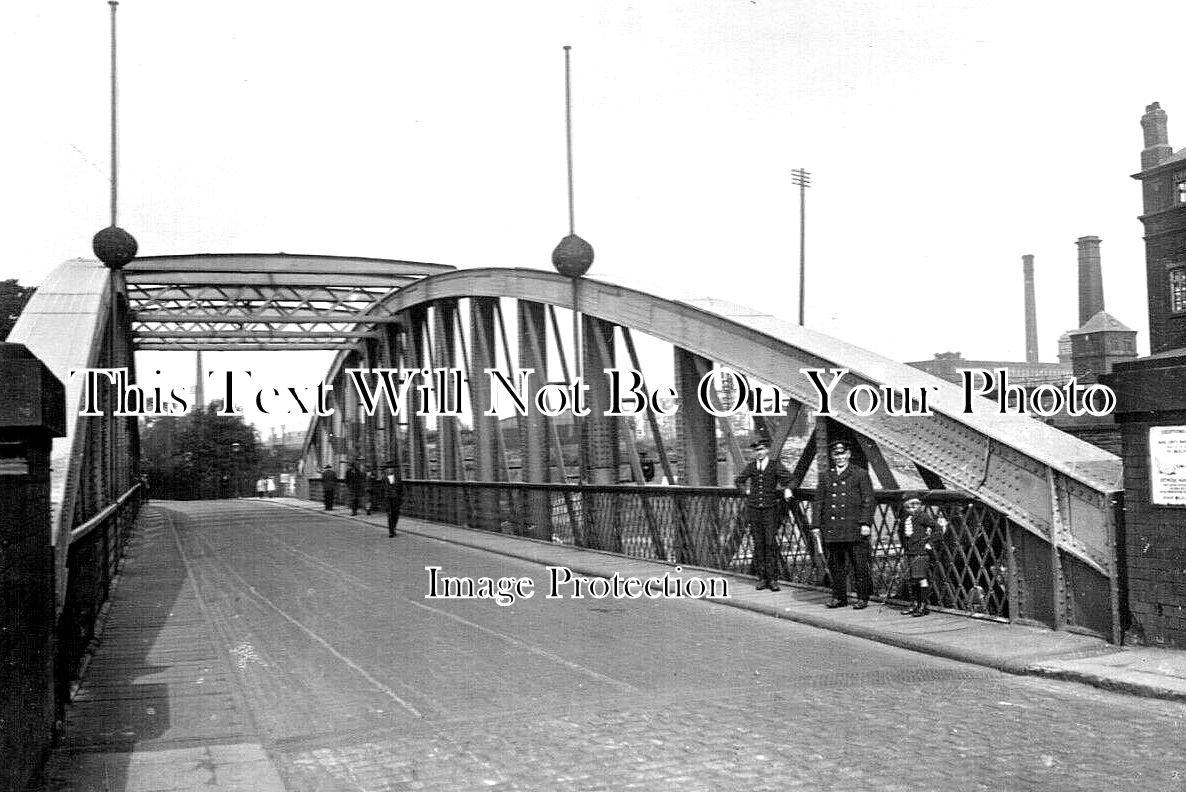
(945, 139)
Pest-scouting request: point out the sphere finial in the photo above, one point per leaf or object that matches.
(114, 246)
(573, 256)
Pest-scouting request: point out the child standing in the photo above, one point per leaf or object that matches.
(917, 531)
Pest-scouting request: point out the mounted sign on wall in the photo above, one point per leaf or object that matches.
(1167, 465)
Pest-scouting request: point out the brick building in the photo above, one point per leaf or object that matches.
(1163, 182)
(1151, 408)
(1101, 343)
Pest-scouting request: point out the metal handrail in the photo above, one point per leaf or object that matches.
(94, 522)
(943, 495)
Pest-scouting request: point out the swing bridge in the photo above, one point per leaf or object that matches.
(1033, 512)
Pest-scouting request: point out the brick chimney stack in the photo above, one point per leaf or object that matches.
(1031, 311)
(1157, 141)
(1091, 279)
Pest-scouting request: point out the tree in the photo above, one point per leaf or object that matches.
(13, 298)
(200, 455)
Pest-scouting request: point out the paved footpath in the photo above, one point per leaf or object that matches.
(270, 646)
(158, 707)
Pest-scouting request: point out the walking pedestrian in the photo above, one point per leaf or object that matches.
(354, 485)
(374, 491)
(767, 486)
(917, 531)
(843, 513)
(329, 483)
(393, 491)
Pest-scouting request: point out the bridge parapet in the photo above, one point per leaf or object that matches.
(706, 527)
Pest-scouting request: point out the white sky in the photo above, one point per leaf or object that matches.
(945, 139)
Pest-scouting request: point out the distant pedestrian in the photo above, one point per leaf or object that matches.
(354, 486)
(329, 483)
(767, 487)
(374, 491)
(270, 486)
(261, 487)
(393, 490)
(843, 514)
(918, 532)
(647, 466)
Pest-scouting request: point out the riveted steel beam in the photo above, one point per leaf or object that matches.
(1002, 460)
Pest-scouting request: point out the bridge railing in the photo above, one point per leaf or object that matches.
(92, 561)
(706, 527)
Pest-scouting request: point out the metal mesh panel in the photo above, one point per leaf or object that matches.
(706, 527)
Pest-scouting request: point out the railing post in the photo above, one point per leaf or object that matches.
(533, 345)
(32, 412)
(599, 440)
(487, 466)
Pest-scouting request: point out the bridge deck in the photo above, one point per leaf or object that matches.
(268, 645)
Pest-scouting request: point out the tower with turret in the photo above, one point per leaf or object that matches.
(1163, 182)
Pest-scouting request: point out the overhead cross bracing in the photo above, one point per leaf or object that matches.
(269, 302)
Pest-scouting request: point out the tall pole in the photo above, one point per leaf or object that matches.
(803, 179)
(113, 278)
(114, 121)
(573, 256)
(572, 227)
(577, 362)
(115, 247)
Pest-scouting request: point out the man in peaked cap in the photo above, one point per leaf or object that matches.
(767, 485)
(843, 513)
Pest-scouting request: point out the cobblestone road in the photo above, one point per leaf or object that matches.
(355, 682)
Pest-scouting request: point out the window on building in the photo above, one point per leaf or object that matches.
(1178, 289)
(1180, 188)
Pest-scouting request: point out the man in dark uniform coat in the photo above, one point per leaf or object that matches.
(393, 491)
(843, 515)
(767, 486)
(329, 483)
(354, 485)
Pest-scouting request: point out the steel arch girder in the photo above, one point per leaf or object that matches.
(1009, 462)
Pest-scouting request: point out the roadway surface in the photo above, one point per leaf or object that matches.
(306, 648)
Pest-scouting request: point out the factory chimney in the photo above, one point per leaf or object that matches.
(1091, 279)
(1157, 143)
(1031, 311)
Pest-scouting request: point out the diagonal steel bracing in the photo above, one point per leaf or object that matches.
(262, 302)
(1003, 460)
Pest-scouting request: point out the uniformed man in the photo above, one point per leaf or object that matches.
(843, 522)
(767, 487)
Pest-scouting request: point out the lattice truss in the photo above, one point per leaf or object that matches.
(261, 302)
